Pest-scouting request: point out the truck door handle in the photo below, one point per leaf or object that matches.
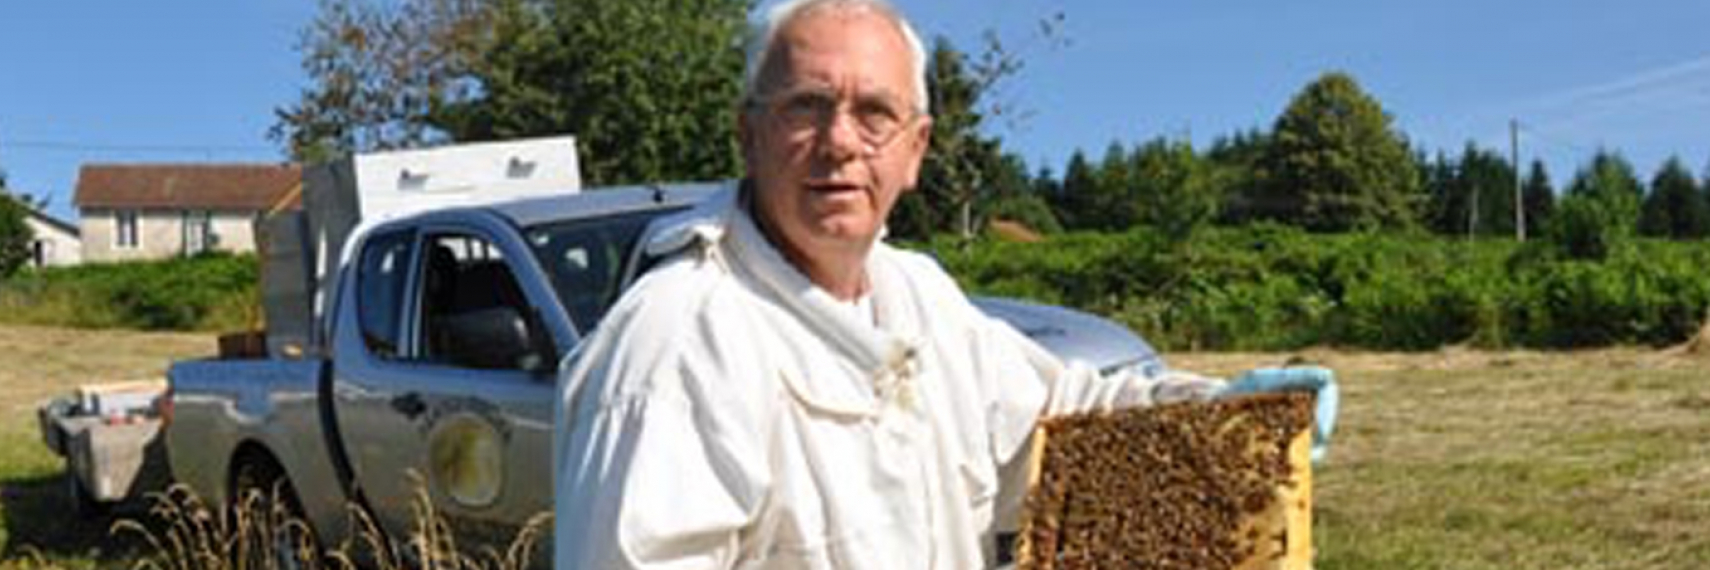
(409, 404)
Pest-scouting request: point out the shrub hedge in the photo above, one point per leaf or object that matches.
(210, 292)
(1260, 287)
(1270, 287)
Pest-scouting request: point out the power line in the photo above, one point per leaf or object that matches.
(1552, 138)
(70, 146)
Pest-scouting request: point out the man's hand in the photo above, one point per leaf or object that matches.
(1316, 379)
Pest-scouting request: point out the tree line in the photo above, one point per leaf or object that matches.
(649, 87)
(1334, 162)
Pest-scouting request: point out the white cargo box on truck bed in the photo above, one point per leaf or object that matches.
(302, 248)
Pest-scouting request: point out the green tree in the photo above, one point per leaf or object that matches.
(955, 173)
(1013, 196)
(1674, 208)
(1335, 163)
(378, 71)
(1112, 202)
(15, 234)
(1175, 190)
(1490, 178)
(967, 177)
(1449, 201)
(1074, 202)
(1600, 210)
(1539, 198)
(649, 87)
(1237, 160)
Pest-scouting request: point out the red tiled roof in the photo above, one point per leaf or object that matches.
(258, 186)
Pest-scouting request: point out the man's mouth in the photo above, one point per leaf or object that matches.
(833, 187)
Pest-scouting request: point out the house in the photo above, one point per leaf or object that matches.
(57, 243)
(152, 211)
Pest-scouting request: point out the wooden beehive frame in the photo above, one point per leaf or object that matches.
(1276, 536)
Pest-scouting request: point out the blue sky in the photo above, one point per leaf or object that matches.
(85, 81)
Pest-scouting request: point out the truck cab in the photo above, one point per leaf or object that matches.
(446, 358)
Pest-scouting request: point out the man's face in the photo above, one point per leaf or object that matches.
(834, 138)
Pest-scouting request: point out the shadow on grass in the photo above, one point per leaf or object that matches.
(42, 517)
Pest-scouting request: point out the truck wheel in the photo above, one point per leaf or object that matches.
(259, 484)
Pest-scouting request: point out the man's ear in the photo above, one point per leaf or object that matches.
(924, 137)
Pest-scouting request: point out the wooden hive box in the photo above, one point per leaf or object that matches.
(1209, 485)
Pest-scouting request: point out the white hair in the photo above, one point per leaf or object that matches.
(782, 14)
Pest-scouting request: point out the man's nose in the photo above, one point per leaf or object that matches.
(841, 138)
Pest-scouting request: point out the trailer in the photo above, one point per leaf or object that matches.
(110, 437)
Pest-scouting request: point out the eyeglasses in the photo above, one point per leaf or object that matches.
(878, 118)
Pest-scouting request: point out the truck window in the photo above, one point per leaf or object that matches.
(465, 280)
(380, 282)
(585, 260)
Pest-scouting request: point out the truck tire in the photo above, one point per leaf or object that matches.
(259, 484)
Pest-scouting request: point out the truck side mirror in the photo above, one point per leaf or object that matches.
(495, 338)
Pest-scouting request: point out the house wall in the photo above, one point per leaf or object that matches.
(161, 233)
(60, 248)
(235, 231)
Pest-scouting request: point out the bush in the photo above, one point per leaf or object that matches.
(215, 291)
(1591, 227)
(15, 235)
(1267, 287)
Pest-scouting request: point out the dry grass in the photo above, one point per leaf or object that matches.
(260, 534)
(1447, 459)
(37, 522)
(1460, 459)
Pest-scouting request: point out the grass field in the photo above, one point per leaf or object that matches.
(1472, 460)
(35, 364)
(1449, 459)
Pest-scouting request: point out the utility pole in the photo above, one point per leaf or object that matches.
(1519, 198)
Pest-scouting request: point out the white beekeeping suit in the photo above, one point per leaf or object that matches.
(730, 414)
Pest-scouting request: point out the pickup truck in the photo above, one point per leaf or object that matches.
(439, 346)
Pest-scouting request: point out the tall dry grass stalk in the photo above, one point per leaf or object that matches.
(260, 532)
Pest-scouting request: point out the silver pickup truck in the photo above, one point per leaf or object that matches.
(437, 355)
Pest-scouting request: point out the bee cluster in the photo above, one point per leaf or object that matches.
(1188, 485)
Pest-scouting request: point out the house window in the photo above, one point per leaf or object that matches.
(39, 250)
(125, 234)
(198, 232)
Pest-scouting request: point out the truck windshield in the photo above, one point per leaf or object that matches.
(586, 260)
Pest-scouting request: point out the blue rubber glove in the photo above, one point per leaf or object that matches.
(1316, 379)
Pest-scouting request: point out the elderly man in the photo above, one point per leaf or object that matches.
(786, 391)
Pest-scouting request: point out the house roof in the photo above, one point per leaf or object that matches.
(40, 216)
(53, 222)
(237, 186)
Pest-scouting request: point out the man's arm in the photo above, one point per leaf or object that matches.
(659, 456)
